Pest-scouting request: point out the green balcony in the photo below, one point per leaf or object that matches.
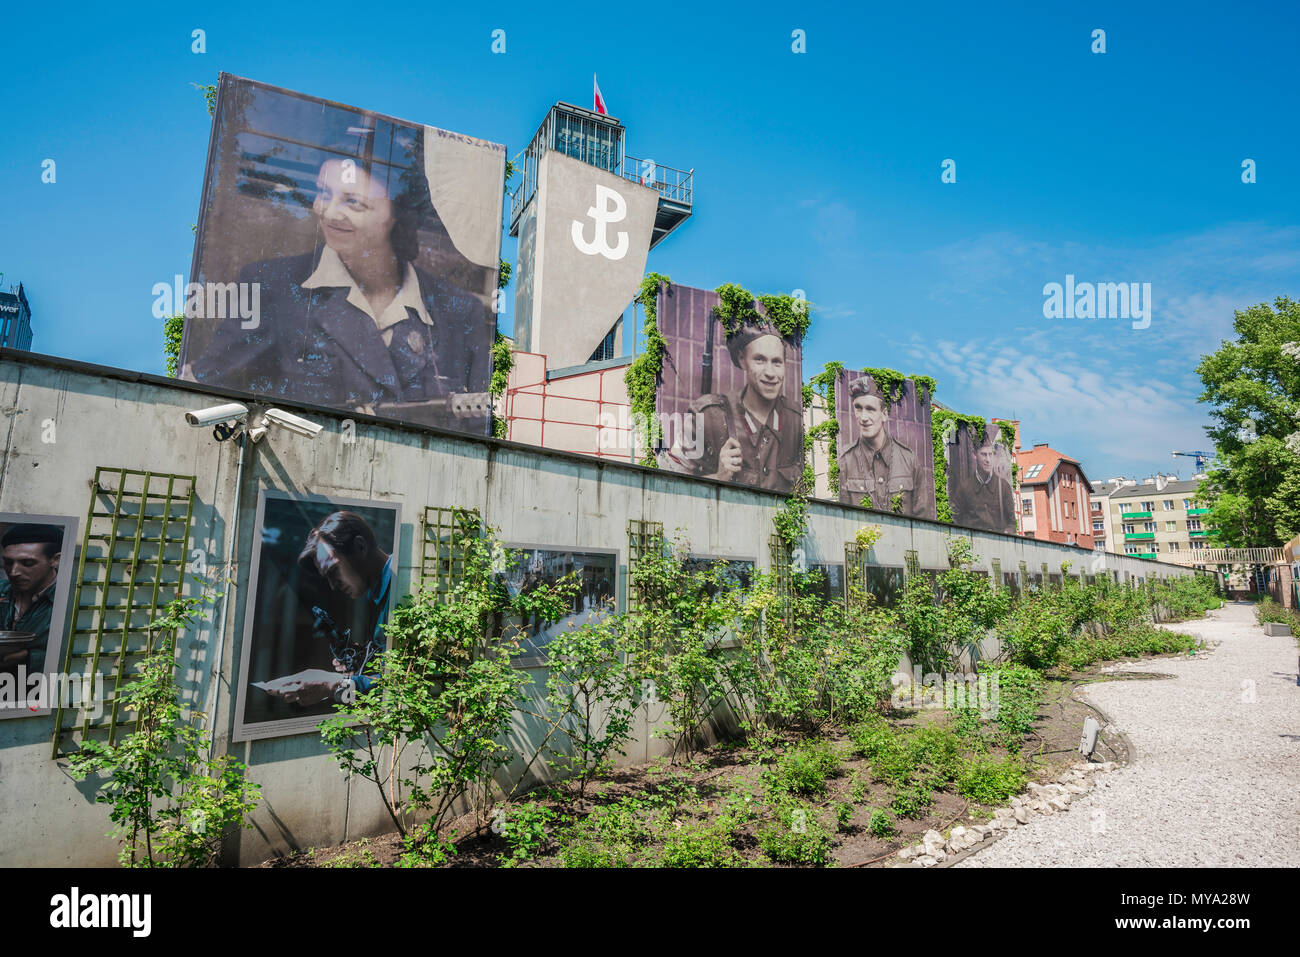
(1134, 536)
(1199, 532)
(1147, 555)
(1125, 516)
(1198, 511)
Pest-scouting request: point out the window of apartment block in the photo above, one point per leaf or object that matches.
(1028, 506)
(1096, 506)
(1131, 549)
(1148, 506)
(1173, 546)
(1187, 503)
(1148, 526)
(1198, 545)
(1194, 525)
(1171, 526)
(1129, 528)
(1169, 505)
(1099, 526)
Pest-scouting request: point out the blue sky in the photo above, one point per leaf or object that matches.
(817, 171)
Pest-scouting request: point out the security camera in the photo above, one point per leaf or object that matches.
(216, 414)
(295, 424)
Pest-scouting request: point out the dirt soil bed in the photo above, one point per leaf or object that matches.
(724, 770)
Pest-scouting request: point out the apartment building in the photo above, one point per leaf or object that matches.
(1152, 518)
(1055, 497)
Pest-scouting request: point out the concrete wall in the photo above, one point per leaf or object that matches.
(106, 417)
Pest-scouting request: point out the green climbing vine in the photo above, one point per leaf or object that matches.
(735, 308)
(642, 376)
(823, 384)
(503, 360)
(791, 522)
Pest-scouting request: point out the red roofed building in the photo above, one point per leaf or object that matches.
(1053, 503)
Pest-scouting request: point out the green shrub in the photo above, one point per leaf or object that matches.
(614, 835)
(795, 836)
(804, 768)
(1019, 691)
(700, 844)
(881, 823)
(911, 800)
(989, 781)
(843, 814)
(934, 753)
(524, 827)
(871, 737)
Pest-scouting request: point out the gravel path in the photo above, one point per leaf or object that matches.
(1215, 774)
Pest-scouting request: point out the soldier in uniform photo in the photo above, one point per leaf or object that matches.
(751, 436)
(878, 470)
(983, 497)
(31, 571)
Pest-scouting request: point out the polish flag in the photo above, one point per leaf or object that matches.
(597, 97)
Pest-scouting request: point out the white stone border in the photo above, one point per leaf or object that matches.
(1038, 799)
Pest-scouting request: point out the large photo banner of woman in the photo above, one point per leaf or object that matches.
(886, 451)
(321, 589)
(345, 259)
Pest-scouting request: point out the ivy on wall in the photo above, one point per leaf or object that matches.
(791, 522)
(503, 360)
(642, 376)
(735, 308)
(823, 384)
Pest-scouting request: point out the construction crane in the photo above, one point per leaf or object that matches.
(1201, 458)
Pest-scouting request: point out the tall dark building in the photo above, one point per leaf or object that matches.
(15, 320)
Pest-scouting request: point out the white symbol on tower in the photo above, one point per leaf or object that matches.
(610, 207)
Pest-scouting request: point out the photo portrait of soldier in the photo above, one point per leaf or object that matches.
(323, 220)
(979, 482)
(886, 456)
(750, 434)
(729, 401)
(31, 556)
(322, 596)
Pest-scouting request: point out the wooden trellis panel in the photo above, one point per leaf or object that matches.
(133, 560)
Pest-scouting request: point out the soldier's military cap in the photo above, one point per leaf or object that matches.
(865, 385)
(746, 334)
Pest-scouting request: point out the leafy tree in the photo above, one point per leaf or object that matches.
(1253, 384)
(171, 802)
(431, 734)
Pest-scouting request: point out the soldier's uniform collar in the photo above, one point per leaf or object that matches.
(773, 422)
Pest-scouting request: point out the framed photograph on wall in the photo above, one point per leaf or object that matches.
(597, 572)
(320, 591)
(35, 582)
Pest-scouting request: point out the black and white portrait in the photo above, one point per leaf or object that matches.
(886, 454)
(345, 259)
(730, 404)
(979, 480)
